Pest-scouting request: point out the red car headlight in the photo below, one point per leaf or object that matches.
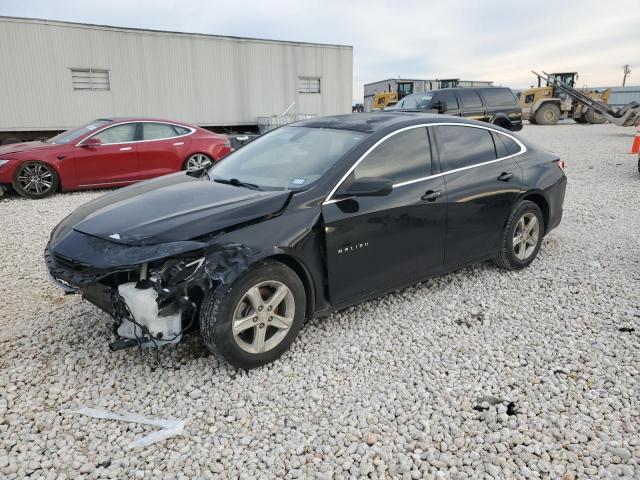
(3, 162)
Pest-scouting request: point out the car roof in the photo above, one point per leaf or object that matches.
(457, 89)
(142, 119)
(373, 121)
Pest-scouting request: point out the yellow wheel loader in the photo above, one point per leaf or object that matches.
(384, 99)
(559, 100)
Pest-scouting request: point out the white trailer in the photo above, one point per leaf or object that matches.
(56, 75)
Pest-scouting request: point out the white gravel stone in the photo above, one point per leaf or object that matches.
(384, 389)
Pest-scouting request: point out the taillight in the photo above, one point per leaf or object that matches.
(561, 164)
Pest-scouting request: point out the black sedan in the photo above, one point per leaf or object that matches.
(307, 219)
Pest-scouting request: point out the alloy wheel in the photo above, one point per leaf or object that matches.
(36, 179)
(525, 236)
(263, 317)
(198, 161)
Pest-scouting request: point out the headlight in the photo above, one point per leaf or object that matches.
(3, 162)
(176, 270)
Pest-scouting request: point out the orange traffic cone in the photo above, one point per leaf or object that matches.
(635, 146)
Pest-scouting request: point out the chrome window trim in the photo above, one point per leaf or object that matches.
(523, 149)
(191, 131)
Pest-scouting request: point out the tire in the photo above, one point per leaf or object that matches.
(532, 121)
(197, 161)
(594, 117)
(241, 348)
(547, 114)
(638, 164)
(518, 257)
(45, 180)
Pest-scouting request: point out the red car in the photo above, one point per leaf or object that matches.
(108, 153)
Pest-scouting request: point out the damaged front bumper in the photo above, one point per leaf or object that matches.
(152, 292)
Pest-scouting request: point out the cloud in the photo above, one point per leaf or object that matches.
(495, 40)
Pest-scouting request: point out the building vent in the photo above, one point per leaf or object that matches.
(309, 84)
(90, 79)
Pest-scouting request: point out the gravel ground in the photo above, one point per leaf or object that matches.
(478, 374)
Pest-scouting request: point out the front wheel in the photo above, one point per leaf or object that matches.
(257, 319)
(522, 237)
(547, 114)
(35, 180)
(197, 161)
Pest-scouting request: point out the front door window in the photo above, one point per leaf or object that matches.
(123, 133)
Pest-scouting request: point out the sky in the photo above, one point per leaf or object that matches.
(496, 40)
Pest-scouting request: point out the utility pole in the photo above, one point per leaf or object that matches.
(626, 71)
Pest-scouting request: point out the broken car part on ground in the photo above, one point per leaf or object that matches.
(307, 219)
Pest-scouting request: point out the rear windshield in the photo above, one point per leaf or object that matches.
(287, 158)
(496, 97)
(71, 135)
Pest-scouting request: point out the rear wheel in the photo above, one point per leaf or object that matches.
(35, 180)
(594, 117)
(197, 161)
(548, 114)
(257, 319)
(522, 237)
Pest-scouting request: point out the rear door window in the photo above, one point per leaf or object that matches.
(464, 146)
(404, 156)
(181, 130)
(157, 131)
(470, 99)
(504, 145)
(497, 97)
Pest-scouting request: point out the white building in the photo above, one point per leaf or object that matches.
(57, 75)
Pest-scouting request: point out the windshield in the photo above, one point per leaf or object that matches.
(287, 158)
(418, 101)
(71, 135)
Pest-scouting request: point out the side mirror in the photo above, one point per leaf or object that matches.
(440, 106)
(367, 187)
(91, 142)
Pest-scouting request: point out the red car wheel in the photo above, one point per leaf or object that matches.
(197, 161)
(35, 180)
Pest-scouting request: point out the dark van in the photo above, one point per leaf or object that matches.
(496, 105)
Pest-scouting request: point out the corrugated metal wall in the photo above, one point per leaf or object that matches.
(622, 95)
(205, 80)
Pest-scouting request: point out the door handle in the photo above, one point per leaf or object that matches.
(124, 149)
(505, 176)
(431, 195)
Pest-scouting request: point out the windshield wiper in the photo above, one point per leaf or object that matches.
(237, 183)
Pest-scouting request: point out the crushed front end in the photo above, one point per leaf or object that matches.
(151, 292)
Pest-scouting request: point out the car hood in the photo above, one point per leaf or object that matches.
(26, 147)
(173, 208)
